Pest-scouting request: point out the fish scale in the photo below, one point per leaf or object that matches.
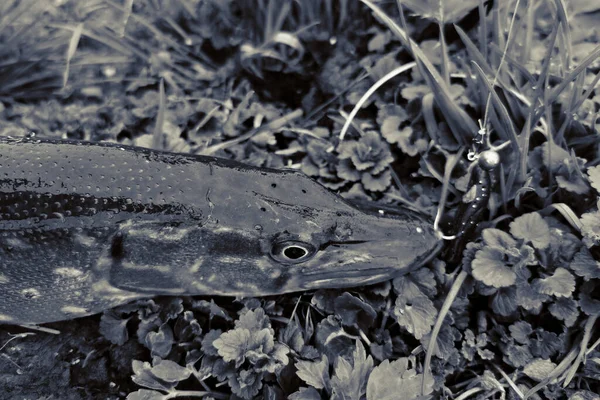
(89, 226)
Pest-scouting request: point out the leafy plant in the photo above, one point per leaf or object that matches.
(379, 111)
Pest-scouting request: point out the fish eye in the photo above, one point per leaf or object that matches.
(292, 251)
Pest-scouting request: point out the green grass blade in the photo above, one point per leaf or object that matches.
(513, 63)
(483, 30)
(73, 43)
(587, 93)
(525, 134)
(477, 56)
(444, 53)
(529, 24)
(390, 75)
(573, 74)
(503, 115)
(461, 125)
(561, 15)
(157, 136)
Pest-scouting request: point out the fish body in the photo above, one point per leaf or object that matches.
(89, 226)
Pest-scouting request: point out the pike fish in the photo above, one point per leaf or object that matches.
(85, 227)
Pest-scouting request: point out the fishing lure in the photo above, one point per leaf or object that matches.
(474, 204)
(89, 226)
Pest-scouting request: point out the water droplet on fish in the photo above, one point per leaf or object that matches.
(109, 72)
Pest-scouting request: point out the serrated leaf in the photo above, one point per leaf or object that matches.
(305, 394)
(232, 345)
(425, 279)
(208, 340)
(212, 309)
(416, 315)
(504, 301)
(354, 312)
(498, 239)
(590, 228)
(584, 265)
(350, 380)
(376, 183)
(559, 284)
(253, 320)
(594, 176)
(531, 227)
(292, 335)
(160, 343)
(520, 331)
(530, 299)
(488, 267)
(314, 373)
(564, 309)
(546, 344)
(142, 376)
(114, 328)
(517, 355)
(331, 339)
(394, 380)
(323, 300)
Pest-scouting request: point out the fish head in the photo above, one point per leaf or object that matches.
(356, 246)
(274, 238)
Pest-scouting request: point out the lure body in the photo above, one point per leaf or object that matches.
(475, 202)
(85, 227)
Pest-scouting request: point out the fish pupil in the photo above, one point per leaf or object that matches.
(294, 252)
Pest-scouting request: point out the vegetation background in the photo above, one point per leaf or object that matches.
(395, 102)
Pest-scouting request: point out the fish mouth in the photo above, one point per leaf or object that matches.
(363, 276)
(345, 281)
(348, 273)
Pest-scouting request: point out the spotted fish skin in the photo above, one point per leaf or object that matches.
(89, 226)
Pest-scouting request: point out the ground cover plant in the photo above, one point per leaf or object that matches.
(404, 103)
